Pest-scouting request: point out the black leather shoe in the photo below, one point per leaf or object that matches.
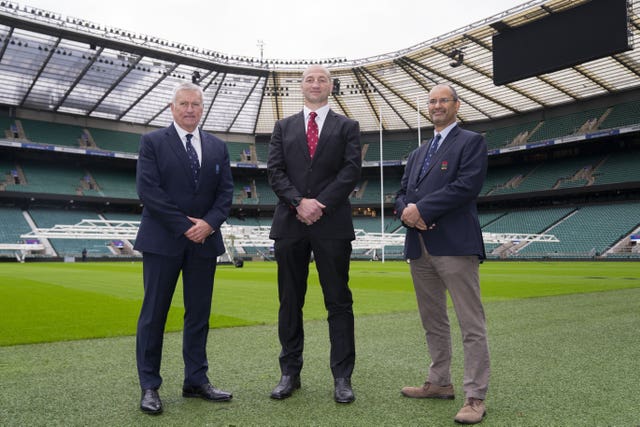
(343, 392)
(207, 392)
(286, 386)
(150, 402)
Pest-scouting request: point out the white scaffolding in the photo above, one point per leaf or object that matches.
(238, 237)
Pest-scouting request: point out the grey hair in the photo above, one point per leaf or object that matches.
(186, 86)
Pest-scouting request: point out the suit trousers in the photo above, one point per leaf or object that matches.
(332, 257)
(160, 276)
(432, 277)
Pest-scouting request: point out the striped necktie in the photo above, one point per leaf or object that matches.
(432, 150)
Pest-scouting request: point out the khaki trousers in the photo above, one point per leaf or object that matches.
(432, 277)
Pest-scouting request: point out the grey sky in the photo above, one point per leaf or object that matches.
(289, 29)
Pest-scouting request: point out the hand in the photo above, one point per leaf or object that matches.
(411, 216)
(309, 211)
(199, 231)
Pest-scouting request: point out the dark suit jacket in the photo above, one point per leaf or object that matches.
(446, 196)
(167, 191)
(330, 177)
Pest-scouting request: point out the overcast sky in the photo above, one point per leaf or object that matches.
(351, 29)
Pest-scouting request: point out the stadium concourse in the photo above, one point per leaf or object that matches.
(75, 96)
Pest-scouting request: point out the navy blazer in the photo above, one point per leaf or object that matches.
(168, 193)
(329, 177)
(446, 196)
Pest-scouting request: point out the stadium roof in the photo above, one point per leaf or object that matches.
(53, 63)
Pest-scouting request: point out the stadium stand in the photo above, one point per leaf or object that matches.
(12, 226)
(48, 177)
(564, 147)
(48, 217)
(617, 168)
(588, 232)
(624, 114)
(570, 124)
(262, 152)
(111, 140)
(511, 135)
(60, 134)
(551, 175)
(112, 183)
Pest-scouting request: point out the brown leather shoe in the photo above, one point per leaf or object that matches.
(472, 412)
(429, 391)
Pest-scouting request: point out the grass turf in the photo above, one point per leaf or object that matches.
(563, 340)
(46, 302)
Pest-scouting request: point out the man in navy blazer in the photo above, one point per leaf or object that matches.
(184, 182)
(437, 204)
(313, 166)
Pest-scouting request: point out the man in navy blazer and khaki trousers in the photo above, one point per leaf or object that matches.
(184, 182)
(437, 204)
(314, 165)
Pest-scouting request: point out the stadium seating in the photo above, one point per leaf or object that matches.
(551, 175)
(504, 179)
(113, 183)
(111, 140)
(529, 221)
(618, 167)
(486, 218)
(12, 226)
(55, 134)
(48, 177)
(588, 232)
(565, 125)
(48, 217)
(624, 114)
(503, 137)
(262, 151)
(372, 224)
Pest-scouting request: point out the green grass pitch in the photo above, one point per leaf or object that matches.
(563, 338)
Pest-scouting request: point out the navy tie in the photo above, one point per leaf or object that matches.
(193, 159)
(432, 150)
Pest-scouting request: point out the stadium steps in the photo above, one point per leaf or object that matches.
(570, 124)
(623, 114)
(589, 232)
(12, 226)
(262, 152)
(52, 133)
(504, 137)
(619, 167)
(44, 177)
(112, 183)
(48, 217)
(112, 140)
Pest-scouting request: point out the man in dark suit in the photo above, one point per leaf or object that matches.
(437, 204)
(314, 164)
(184, 182)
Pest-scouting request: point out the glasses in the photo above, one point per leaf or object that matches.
(440, 100)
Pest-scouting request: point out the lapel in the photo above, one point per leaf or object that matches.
(205, 147)
(301, 135)
(325, 134)
(445, 146)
